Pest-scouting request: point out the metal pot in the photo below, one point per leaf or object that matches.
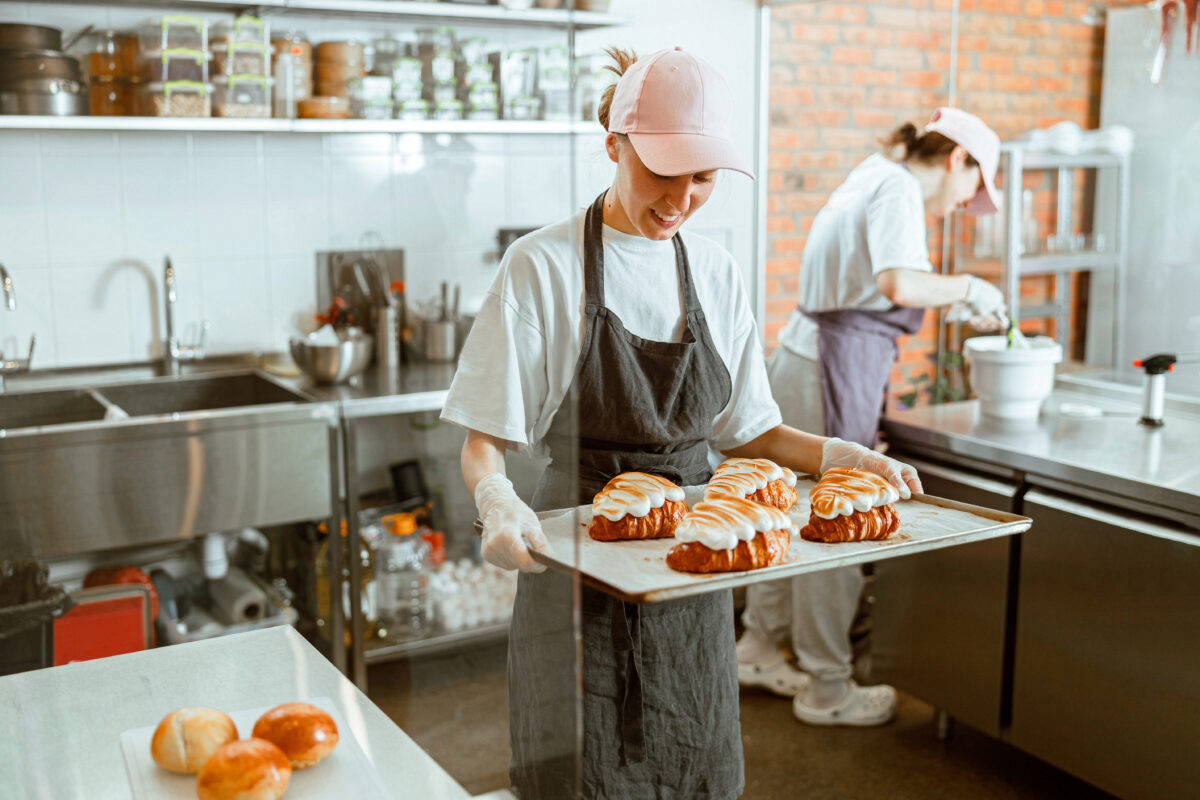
(17, 36)
(20, 65)
(44, 97)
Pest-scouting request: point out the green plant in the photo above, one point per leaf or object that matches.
(946, 387)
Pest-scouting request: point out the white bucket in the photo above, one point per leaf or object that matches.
(1011, 384)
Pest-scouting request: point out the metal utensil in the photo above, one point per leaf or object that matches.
(457, 296)
(444, 315)
(84, 31)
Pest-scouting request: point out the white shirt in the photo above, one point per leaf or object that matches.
(519, 360)
(873, 222)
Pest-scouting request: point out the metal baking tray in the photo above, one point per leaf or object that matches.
(637, 571)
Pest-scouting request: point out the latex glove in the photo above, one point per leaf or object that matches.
(983, 307)
(840, 453)
(510, 528)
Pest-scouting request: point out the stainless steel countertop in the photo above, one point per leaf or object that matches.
(1108, 455)
(418, 387)
(65, 723)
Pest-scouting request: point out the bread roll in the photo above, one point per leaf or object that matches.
(186, 738)
(305, 733)
(248, 769)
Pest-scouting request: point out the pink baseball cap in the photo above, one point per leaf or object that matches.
(982, 143)
(677, 112)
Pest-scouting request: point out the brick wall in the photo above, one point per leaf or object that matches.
(843, 74)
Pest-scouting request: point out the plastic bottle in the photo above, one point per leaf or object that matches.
(368, 587)
(405, 601)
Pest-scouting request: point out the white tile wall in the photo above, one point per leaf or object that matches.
(86, 219)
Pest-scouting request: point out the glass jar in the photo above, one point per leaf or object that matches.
(110, 97)
(107, 55)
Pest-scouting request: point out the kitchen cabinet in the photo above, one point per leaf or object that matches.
(1107, 646)
(941, 618)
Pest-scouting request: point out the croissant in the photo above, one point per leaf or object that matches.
(635, 505)
(658, 523)
(764, 550)
(757, 479)
(861, 526)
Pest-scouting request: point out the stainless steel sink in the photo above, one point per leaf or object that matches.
(198, 393)
(208, 451)
(39, 409)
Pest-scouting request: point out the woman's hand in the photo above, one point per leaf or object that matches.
(510, 528)
(840, 453)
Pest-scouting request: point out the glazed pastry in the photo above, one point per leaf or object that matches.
(634, 505)
(730, 534)
(850, 505)
(758, 479)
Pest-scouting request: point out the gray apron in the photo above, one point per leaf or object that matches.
(660, 693)
(855, 353)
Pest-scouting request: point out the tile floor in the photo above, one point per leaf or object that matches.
(455, 708)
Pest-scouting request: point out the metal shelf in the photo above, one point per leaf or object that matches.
(1044, 159)
(446, 13)
(210, 124)
(1047, 263)
(375, 653)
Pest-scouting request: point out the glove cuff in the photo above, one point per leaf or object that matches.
(492, 489)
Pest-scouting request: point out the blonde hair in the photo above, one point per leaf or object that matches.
(622, 60)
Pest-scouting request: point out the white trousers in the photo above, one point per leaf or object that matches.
(816, 609)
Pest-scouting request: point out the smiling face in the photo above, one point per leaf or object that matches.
(958, 184)
(645, 204)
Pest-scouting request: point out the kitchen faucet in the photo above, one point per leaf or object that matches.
(173, 351)
(15, 365)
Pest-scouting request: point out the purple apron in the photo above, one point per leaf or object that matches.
(855, 353)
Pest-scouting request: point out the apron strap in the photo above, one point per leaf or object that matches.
(593, 253)
(691, 300)
(627, 641)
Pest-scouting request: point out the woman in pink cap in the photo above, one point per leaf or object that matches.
(612, 341)
(866, 280)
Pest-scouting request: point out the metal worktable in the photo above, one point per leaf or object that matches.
(1075, 642)
(1153, 470)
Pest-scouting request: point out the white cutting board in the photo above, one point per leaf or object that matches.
(345, 772)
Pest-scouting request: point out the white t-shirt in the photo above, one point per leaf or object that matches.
(519, 360)
(873, 222)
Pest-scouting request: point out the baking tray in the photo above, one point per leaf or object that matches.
(637, 572)
(346, 772)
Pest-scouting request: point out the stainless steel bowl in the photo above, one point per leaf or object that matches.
(333, 363)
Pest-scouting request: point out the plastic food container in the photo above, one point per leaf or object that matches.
(1011, 384)
(175, 99)
(407, 70)
(377, 109)
(241, 58)
(444, 92)
(413, 110)
(484, 111)
(324, 108)
(441, 66)
(244, 96)
(449, 110)
(473, 49)
(407, 90)
(173, 31)
(243, 29)
(478, 72)
(176, 64)
(524, 108)
(483, 94)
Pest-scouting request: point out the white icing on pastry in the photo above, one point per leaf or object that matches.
(633, 494)
(719, 524)
(842, 491)
(739, 477)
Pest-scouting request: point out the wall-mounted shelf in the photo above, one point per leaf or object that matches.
(430, 13)
(221, 125)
